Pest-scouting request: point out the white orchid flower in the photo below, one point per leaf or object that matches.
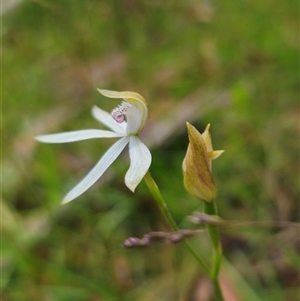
(134, 110)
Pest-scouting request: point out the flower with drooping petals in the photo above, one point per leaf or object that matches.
(126, 121)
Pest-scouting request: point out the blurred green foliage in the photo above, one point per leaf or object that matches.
(55, 55)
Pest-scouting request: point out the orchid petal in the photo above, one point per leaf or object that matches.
(108, 158)
(77, 136)
(140, 160)
(134, 119)
(106, 119)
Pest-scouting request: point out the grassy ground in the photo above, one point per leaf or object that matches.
(234, 64)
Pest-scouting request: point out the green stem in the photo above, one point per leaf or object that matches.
(218, 290)
(210, 208)
(165, 210)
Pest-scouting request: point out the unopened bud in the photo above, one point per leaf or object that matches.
(196, 165)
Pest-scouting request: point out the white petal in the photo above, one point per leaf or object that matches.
(77, 136)
(134, 120)
(106, 119)
(140, 160)
(108, 158)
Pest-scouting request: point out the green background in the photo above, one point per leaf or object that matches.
(234, 64)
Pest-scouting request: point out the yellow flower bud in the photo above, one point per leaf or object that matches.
(196, 165)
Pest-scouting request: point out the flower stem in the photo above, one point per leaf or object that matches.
(165, 210)
(210, 208)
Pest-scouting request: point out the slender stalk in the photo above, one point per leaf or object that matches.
(218, 290)
(165, 210)
(210, 208)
